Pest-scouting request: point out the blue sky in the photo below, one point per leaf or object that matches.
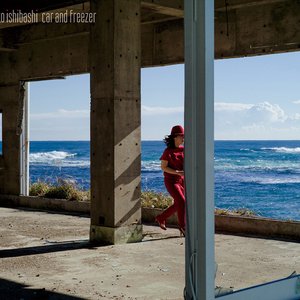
(255, 98)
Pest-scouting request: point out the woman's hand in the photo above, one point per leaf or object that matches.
(180, 173)
(165, 168)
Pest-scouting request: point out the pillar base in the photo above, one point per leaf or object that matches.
(116, 235)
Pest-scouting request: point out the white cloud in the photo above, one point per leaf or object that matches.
(296, 102)
(247, 114)
(255, 121)
(295, 117)
(225, 106)
(157, 110)
(232, 121)
(266, 112)
(61, 114)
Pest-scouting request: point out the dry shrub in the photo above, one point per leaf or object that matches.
(62, 190)
(39, 189)
(156, 200)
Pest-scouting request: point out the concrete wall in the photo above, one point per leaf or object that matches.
(10, 159)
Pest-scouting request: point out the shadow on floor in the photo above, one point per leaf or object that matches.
(53, 247)
(10, 290)
(153, 236)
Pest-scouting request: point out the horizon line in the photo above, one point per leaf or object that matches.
(161, 140)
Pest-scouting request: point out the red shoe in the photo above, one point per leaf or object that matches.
(162, 225)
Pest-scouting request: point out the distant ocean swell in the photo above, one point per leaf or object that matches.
(260, 175)
(63, 159)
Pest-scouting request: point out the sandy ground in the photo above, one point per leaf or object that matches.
(47, 256)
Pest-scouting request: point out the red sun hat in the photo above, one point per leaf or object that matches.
(177, 130)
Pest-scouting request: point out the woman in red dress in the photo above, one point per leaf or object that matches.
(172, 165)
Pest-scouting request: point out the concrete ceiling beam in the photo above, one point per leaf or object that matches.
(151, 18)
(36, 5)
(6, 49)
(257, 30)
(221, 5)
(36, 33)
(172, 8)
(5, 46)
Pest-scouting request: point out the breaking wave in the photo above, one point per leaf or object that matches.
(44, 157)
(57, 158)
(151, 166)
(274, 180)
(295, 150)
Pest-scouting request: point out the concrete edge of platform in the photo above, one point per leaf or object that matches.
(34, 202)
(240, 225)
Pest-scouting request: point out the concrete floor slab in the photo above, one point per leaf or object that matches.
(47, 256)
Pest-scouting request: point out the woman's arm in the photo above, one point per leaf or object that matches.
(165, 168)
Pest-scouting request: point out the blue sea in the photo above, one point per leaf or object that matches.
(263, 176)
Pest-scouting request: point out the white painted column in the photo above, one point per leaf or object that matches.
(24, 144)
(199, 148)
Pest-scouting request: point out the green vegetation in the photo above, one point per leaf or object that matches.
(156, 200)
(235, 212)
(61, 190)
(67, 190)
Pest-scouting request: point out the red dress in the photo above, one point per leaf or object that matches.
(174, 185)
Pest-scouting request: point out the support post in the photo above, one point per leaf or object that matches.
(24, 139)
(199, 148)
(10, 161)
(115, 62)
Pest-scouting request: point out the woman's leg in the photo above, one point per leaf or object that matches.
(181, 207)
(176, 190)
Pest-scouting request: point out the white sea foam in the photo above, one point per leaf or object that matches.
(50, 157)
(73, 163)
(273, 180)
(295, 150)
(152, 165)
(248, 150)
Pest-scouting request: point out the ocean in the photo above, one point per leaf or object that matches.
(263, 176)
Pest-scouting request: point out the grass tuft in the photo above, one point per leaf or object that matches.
(39, 189)
(62, 190)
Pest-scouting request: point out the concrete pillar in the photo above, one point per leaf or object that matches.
(10, 159)
(115, 60)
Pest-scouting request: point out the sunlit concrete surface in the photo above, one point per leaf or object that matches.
(48, 254)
